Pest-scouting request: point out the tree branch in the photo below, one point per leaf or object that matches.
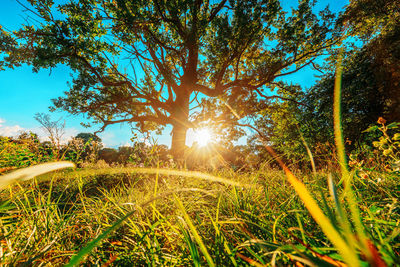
(278, 97)
(144, 118)
(215, 10)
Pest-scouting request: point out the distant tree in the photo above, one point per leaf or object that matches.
(29, 136)
(88, 137)
(178, 51)
(371, 76)
(23, 151)
(163, 155)
(84, 147)
(142, 153)
(109, 155)
(367, 94)
(124, 153)
(365, 97)
(55, 130)
(282, 125)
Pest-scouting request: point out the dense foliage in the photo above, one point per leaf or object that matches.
(27, 149)
(23, 151)
(370, 90)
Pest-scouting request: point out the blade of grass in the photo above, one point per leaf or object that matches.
(337, 119)
(155, 191)
(250, 261)
(339, 141)
(192, 246)
(195, 234)
(76, 259)
(218, 233)
(329, 230)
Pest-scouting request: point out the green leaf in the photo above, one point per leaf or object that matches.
(393, 125)
(371, 129)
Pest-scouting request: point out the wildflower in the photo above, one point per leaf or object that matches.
(381, 120)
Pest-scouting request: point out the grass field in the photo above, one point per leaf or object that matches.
(171, 217)
(253, 218)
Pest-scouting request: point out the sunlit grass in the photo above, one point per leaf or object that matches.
(169, 172)
(156, 217)
(52, 220)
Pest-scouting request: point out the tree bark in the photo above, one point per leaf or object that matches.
(178, 141)
(180, 124)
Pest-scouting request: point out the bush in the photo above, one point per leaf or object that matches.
(24, 151)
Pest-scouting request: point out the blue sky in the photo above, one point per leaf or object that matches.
(24, 93)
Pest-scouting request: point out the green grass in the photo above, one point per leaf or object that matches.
(185, 220)
(154, 217)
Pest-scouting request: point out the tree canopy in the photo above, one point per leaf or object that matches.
(88, 137)
(370, 88)
(158, 62)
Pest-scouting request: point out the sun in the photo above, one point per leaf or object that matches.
(202, 136)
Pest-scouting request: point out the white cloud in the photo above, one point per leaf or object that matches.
(127, 144)
(9, 130)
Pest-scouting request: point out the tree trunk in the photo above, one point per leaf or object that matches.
(178, 141)
(180, 116)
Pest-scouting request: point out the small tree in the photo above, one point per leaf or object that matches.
(54, 129)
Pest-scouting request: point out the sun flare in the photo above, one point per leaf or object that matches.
(202, 136)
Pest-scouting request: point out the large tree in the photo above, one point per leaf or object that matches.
(146, 61)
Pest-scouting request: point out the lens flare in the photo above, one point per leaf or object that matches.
(202, 136)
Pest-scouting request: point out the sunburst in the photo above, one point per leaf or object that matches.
(202, 136)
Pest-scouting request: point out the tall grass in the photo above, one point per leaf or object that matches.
(116, 218)
(136, 216)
